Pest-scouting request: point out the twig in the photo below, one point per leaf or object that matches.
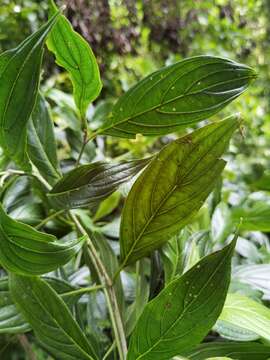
(48, 218)
(26, 346)
(83, 290)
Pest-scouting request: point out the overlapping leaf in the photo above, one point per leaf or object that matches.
(74, 54)
(172, 189)
(89, 184)
(250, 315)
(183, 313)
(236, 350)
(24, 250)
(41, 142)
(50, 319)
(183, 93)
(19, 80)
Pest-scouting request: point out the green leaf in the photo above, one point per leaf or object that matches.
(26, 251)
(250, 315)
(185, 311)
(107, 206)
(234, 332)
(181, 94)
(172, 189)
(11, 320)
(41, 142)
(19, 81)
(50, 319)
(88, 185)
(238, 351)
(74, 54)
(254, 217)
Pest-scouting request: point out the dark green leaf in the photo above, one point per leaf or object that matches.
(50, 319)
(185, 311)
(41, 142)
(74, 54)
(238, 351)
(11, 320)
(172, 189)
(183, 93)
(26, 251)
(87, 185)
(19, 81)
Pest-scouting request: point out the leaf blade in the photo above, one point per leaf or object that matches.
(26, 251)
(183, 313)
(177, 181)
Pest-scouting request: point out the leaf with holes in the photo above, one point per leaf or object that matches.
(88, 185)
(50, 319)
(172, 189)
(26, 251)
(74, 54)
(185, 311)
(178, 95)
(19, 81)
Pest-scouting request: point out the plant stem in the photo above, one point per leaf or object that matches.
(48, 218)
(109, 351)
(26, 346)
(109, 293)
(85, 141)
(83, 290)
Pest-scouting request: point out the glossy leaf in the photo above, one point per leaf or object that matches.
(183, 93)
(250, 315)
(88, 185)
(41, 142)
(172, 189)
(237, 351)
(185, 311)
(11, 320)
(19, 81)
(50, 319)
(26, 251)
(74, 54)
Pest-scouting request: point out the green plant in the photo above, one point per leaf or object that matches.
(169, 189)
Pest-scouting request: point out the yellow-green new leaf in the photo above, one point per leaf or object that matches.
(74, 54)
(19, 81)
(50, 319)
(26, 251)
(185, 311)
(172, 189)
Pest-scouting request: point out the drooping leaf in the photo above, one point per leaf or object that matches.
(250, 315)
(26, 251)
(87, 185)
(237, 351)
(11, 320)
(19, 80)
(74, 54)
(50, 319)
(183, 93)
(185, 311)
(172, 189)
(41, 142)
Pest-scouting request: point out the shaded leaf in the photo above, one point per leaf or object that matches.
(185, 311)
(50, 319)
(238, 351)
(19, 81)
(183, 93)
(172, 189)
(87, 185)
(74, 54)
(244, 312)
(41, 142)
(24, 250)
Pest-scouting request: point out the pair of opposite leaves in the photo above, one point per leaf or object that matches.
(181, 94)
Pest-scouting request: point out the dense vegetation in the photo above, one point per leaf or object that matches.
(134, 180)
